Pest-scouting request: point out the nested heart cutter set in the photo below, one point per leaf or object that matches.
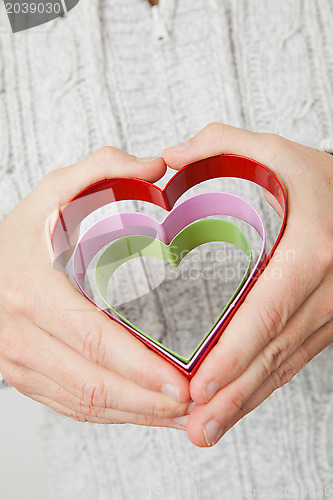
(124, 236)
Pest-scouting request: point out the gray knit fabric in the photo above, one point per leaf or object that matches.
(102, 76)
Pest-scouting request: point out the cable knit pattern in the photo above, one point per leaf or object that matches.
(99, 76)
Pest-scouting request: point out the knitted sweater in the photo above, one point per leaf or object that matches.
(111, 73)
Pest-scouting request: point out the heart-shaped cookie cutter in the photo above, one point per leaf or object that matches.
(64, 233)
(192, 236)
(177, 222)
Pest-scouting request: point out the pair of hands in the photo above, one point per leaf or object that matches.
(59, 349)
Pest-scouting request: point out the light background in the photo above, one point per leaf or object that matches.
(22, 469)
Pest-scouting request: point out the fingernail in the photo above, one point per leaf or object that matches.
(179, 147)
(210, 390)
(190, 407)
(181, 420)
(212, 432)
(171, 391)
(147, 160)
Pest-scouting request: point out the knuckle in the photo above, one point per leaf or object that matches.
(51, 179)
(273, 357)
(272, 146)
(104, 156)
(50, 176)
(95, 393)
(147, 420)
(269, 323)
(88, 410)
(158, 410)
(93, 344)
(283, 374)
(142, 374)
(274, 140)
(237, 400)
(214, 130)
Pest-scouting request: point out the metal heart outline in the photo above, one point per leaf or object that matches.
(190, 211)
(107, 191)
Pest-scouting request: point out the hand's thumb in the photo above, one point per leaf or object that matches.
(105, 163)
(217, 138)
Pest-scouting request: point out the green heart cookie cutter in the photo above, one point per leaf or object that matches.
(192, 236)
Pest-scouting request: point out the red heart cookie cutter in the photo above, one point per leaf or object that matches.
(107, 191)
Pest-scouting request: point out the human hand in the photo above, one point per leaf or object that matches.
(283, 323)
(55, 346)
